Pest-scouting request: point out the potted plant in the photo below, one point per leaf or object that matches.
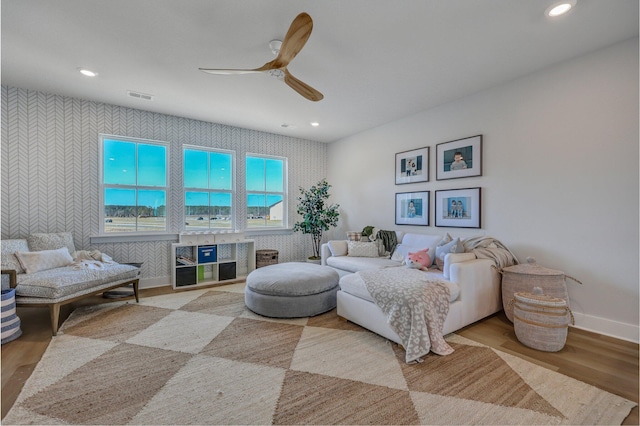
(317, 215)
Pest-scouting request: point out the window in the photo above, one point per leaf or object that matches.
(208, 188)
(133, 185)
(266, 183)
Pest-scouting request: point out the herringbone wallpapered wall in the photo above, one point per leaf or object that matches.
(50, 170)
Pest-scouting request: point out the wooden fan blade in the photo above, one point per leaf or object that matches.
(303, 88)
(294, 40)
(229, 71)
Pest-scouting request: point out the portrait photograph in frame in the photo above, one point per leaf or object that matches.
(412, 166)
(412, 208)
(458, 208)
(459, 159)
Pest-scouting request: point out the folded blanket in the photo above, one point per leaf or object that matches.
(90, 259)
(389, 240)
(91, 255)
(416, 308)
(490, 248)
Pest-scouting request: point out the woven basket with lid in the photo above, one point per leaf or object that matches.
(541, 321)
(526, 276)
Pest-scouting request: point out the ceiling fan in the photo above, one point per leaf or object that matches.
(294, 40)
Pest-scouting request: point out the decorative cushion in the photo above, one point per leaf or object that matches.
(338, 247)
(362, 249)
(421, 241)
(51, 241)
(34, 261)
(9, 249)
(354, 236)
(454, 246)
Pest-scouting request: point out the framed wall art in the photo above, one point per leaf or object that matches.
(412, 166)
(458, 208)
(412, 208)
(460, 158)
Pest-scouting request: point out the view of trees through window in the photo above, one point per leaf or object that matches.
(134, 180)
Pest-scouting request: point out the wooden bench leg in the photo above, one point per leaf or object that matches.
(135, 290)
(54, 311)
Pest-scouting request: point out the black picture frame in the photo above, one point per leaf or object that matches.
(458, 208)
(459, 158)
(413, 208)
(412, 166)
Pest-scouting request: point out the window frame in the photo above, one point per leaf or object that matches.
(232, 191)
(284, 193)
(102, 186)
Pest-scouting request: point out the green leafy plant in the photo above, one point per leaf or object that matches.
(317, 215)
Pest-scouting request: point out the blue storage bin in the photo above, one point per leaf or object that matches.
(207, 254)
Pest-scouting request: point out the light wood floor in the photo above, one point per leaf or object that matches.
(601, 361)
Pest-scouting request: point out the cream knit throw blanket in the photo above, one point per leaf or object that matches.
(416, 307)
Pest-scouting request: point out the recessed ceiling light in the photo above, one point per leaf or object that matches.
(87, 72)
(559, 9)
(314, 123)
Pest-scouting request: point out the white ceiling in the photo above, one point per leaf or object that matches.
(374, 60)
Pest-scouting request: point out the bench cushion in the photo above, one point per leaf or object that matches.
(67, 280)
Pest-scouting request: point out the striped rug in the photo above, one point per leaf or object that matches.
(200, 357)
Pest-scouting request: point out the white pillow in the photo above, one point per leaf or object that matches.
(34, 261)
(338, 247)
(362, 249)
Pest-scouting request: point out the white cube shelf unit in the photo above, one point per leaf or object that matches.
(210, 263)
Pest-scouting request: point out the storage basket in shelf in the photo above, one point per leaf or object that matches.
(541, 321)
(526, 276)
(266, 257)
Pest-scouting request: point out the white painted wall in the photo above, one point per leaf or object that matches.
(560, 179)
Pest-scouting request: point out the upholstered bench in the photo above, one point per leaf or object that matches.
(291, 290)
(53, 279)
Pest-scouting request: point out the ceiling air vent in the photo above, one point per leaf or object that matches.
(139, 95)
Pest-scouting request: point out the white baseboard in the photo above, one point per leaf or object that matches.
(619, 330)
(154, 282)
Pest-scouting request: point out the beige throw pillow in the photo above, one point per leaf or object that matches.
(361, 249)
(34, 261)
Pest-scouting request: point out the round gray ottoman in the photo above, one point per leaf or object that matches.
(291, 290)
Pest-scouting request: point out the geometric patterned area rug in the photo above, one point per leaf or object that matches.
(200, 357)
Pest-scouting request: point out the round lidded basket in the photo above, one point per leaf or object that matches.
(541, 321)
(526, 276)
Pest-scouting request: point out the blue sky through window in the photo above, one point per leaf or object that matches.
(120, 169)
(264, 175)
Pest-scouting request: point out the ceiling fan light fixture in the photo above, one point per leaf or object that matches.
(560, 8)
(275, 46)
(87, 72)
